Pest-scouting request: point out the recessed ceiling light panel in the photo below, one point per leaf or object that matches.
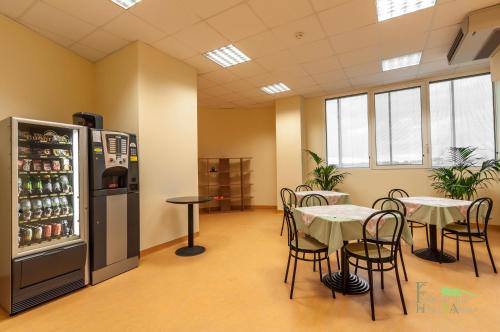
(126, 4)
(387, 9)
(406, 60)
(275, 88)
(227, 56)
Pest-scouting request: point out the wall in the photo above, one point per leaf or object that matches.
(366, 185)
(289, 143)
(243, 133)
(40, 79)
(144, 91)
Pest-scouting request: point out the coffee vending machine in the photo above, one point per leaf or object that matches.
(114, 217)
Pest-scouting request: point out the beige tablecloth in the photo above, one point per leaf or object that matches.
(435, 210)
(334, 224)
(333, 197)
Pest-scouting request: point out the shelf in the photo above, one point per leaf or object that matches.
(44, 243)
(32, 142)
(34, 157)
(23, 222)
(45, 173)
(44, 195)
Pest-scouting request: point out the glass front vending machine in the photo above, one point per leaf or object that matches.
(43, 211)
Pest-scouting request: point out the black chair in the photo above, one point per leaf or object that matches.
(299, 244)
(317, 200)
(387, 203)
(377, 251)
(303, 187)
(399, 193)
(472, 230)
(289, 199)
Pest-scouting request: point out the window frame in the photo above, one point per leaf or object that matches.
(340, 141)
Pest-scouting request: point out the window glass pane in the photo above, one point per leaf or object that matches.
(399, 127)
(347, 131)
(462, 115)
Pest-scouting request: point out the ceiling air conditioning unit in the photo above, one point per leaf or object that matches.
(478, 37)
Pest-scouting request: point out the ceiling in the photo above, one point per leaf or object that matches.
(340, 50)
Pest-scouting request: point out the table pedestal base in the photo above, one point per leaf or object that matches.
(434, 255)
(190, 251)
(355, 284)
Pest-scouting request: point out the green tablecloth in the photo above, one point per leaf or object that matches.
(435, 210)
(334, 224)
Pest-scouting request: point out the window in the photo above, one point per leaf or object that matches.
(398, 127)
(462, 115)
(347, 131)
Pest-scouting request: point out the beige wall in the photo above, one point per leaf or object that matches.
(365, 185)
(289, 143)
(144, 91)
(243, 133)
(40, 79)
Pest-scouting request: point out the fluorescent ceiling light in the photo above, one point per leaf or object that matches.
(387, 9)
(401, 61)
(275, 88)
(126, 3)
(227, 56)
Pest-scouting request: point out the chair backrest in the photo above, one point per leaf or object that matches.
(397, 193)
(292, 228)
(390, 237)
(478, 215)
(288, 198)
(389, 203)
(303, 187)
(313, 200)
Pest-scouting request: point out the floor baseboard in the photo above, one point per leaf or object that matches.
(168, 244)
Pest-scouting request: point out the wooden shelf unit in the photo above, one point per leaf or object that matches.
(228, 181)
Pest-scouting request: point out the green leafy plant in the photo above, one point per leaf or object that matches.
(467, 174)
(324, 176)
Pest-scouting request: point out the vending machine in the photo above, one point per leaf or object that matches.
(43, 211)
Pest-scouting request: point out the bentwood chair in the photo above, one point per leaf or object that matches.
(387, 203)
(379, 253)
(317, 200)
(288, 199)
(475, 229)
(303, 187)
(299, 246)
(400, 193)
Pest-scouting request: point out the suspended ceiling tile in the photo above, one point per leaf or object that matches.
(348, 16)
(217, 91)
(61, 40)
(434, 54)
(169, 16)
(279, 12)
(442, 36)
(368, 68)
(202, 64)
(356, 39)
(239, 85)
(87, 52)
(14, 8)
(247, 69)
(312, 51)
(206, 8)
(202, 37)
(96, 12)
(320, 5)
(220, 76)
(130, 27)
(204, 83)
(103, 41)
(54, 20)
(261, 44)
(309, 27)
(330, 77)
(396, 29)
(359, 56)
(277, 60)
(176, 48)
(321, 65)
(237, 23)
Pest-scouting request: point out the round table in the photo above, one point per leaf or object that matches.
(191, 249)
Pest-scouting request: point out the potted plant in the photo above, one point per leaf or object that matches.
(325, 177)
(466, 175)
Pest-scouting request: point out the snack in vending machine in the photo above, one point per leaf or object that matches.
(65, 186)
(56, 229)
(56, 207)
(47, 185)
(37, 233)
(47, 207)
(19, 186)
(56, 165)
(26, 165)
(27, 187)
(37, 208)
(37, 165)
(47, 231)
(66, 164)
(26, 209)
(47, 166)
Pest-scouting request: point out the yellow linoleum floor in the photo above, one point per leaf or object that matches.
(237, 285)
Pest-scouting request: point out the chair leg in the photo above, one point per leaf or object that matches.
(356, 267)
(370, 281)
(293, 276)
(399, 286)
(458, 249)
(288, 265)
(403, 262)
(427, 236)
(319, 263)
(411, 230)
(442, 245)
(473, 256)
(329, 271)
(491, 256)
(338, 260)
(381, 266)
(314, 262)
(282, 225)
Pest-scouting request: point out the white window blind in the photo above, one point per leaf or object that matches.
(398, 117)
(347, 131)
